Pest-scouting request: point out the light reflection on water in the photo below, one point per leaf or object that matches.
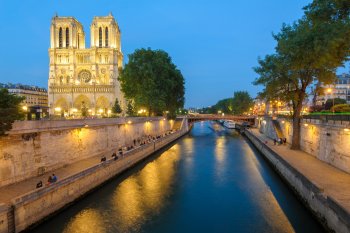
(210, 181)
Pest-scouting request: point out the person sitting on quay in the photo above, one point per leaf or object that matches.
(39, 184)
(114, 156)
(54, 178)
(284, 141)
(49, 180)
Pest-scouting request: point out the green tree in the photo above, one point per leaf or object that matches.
(308, 51)
(241, 102)
(153, 82)
(130, 109)
(84, 109)
(224, 105)
(116, 108)
(9, 110)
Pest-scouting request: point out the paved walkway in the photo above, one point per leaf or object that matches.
(14, 190)
(334, 182)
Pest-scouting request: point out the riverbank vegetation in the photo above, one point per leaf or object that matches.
(9, 110)
(152, 83)
(307, 51)
(239, 104)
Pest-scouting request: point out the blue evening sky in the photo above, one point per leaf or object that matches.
(215, 44)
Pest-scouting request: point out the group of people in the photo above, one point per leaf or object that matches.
(279, 141)
(136, 142)
(52, 179)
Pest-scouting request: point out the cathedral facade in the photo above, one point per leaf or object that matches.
(84, 79)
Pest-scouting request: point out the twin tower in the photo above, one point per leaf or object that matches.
(84, 81)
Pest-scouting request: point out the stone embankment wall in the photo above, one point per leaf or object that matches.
(327, 141)
(34, 206)
(332, 215)
(35, 147)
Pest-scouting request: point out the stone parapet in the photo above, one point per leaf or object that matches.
(38, 204)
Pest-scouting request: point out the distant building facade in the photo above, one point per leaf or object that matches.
(84, 78)
(340, 89)
(35, 103)
(34, 96)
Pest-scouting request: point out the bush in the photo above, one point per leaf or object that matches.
(329, 103)
(341, 108)
(316, 108)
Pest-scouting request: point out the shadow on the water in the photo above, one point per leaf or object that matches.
(290, 204)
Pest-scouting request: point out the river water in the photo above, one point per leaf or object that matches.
(211, 180)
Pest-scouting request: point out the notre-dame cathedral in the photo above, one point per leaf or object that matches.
(80, 78)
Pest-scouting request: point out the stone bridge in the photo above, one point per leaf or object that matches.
(212, 117)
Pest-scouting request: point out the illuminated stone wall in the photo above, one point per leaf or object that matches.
(329, 142)
(35, 147)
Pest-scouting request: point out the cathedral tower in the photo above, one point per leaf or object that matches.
(84, 79)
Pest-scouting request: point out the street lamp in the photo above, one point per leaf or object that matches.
(25, 109)
(329, 90)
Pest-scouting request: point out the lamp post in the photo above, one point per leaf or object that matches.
(25, 109)
(329, 90)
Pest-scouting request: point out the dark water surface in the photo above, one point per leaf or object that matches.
(209, 181)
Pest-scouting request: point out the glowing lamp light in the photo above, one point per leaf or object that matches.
(109, 111)
(283, 122)
(329, 90)
(306, 125)
(25, 108)
(129, 122)
(347, 130)
(86, 125)
(164, 119)
(57, 109)
(100, 110)
(89, 110)
(75, 110)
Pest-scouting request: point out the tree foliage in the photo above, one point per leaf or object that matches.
(130, 109)
(9, 110)
(309, 50)
(116, 107)
(153, 82)
(241, 102)
(329, 103)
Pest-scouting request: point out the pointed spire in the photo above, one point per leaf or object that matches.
(110, 14)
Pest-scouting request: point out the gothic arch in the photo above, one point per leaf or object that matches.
(102, 103)
(62, 103)
(79, 100)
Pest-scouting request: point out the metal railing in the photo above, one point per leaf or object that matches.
(327, 118)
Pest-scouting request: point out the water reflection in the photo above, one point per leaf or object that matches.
(87, 221)
(144, 193)
(220, 158)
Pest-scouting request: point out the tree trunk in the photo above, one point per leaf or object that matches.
(296, 133)
(296, 126)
